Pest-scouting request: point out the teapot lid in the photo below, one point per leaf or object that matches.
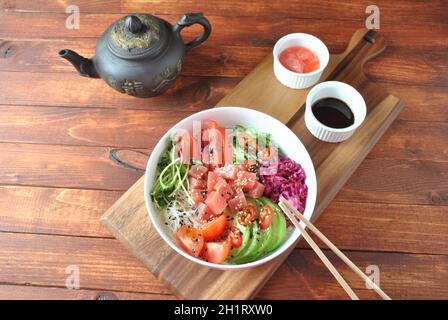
(136, 35)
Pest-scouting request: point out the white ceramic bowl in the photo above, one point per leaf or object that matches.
(293, 79)
(229, 117)
(341, 91)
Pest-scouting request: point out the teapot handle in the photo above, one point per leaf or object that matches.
(192, 18)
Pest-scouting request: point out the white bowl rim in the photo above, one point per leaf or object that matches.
(310, 205)
(322, 66)
(336, 84)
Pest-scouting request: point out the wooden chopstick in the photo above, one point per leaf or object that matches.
(292, 213)
(319, 252)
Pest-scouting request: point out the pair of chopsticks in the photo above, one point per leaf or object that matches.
(293, 214)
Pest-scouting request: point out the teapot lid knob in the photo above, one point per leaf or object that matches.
(137, 35)
(134, 24)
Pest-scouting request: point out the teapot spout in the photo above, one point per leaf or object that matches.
(84, 66)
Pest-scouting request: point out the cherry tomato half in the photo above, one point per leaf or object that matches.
(235, 237)
(265, 216)
(214, 229)
(216, 252)
(190, 239)
(246, 215)
(267, 153)
(246, 140)
(250, 165)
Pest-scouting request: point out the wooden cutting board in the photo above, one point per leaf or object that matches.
(334, 163)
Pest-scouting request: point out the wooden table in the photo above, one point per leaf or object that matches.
(70, 146)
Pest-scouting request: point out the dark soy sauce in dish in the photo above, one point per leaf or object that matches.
(333, 113)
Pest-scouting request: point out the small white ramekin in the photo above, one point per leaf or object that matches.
(293, 79)
(341, 91)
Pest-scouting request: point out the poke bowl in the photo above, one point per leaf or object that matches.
(212, 184)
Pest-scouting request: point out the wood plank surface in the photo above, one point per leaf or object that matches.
(86, 127)
(39, 92)
(257, 31)
(352, 225)
(95, 258)
(227, 60)
(187, 93)
(424, 276)
(45, 165)
(397, 11)
(136, 129)
(17, 292)
(54, 211)
(107, 265)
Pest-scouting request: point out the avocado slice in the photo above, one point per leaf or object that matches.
(247, 234)
(265, 240)
(252, 247)
(257, 242)
(279, 222)
(270, 245)
(246, 230)
(262, 235)
(262, 238)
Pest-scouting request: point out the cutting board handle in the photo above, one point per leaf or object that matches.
(364, 45)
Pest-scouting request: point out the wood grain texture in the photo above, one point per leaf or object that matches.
(394, 182)
(50, 89)
(189, 94)
(303, 273)
(31, 261)
(334, 164)
(257, 31)
(351, 225)
(39, 165)
(142, 128)
(397, 11)
(428, 144)
(46, 165)
(385, 227)
(95, 258)
(228, 60)
(427, 102)
(87, 127)
(14, 292)
(54, 211)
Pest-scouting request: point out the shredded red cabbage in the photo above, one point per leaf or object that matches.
(289, 182)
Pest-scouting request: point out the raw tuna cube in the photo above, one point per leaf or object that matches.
(224, 189)
(203, 214)
(216, 202)
(212, 179)
(229, 171)
(196, 183)
(238, 203)
(198, 195)
(256, 191)
(246, 180)
(197, 171)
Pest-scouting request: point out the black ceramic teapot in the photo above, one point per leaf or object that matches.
(140, 54)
